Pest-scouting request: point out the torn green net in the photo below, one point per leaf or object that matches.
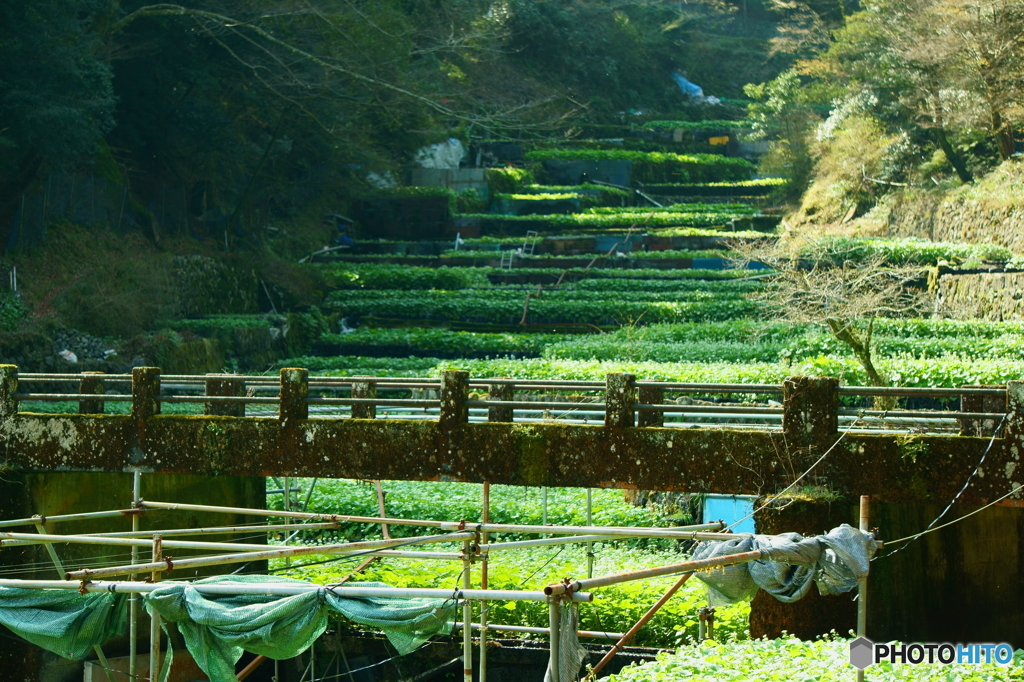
(217, 628)
(63, 621)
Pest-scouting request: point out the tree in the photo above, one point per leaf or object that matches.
(815, 282)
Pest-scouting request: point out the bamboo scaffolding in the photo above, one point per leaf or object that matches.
(677, 533)
(282, 552)
(35, 520)
(291, 589)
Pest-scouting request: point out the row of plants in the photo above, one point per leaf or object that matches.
(391, 276)
(737, 341)
(576, 306)
(929, 372)
(623, 218)
(652, 166)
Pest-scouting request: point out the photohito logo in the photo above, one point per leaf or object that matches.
(864, 652)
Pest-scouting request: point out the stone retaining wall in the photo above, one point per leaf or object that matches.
(997, 296)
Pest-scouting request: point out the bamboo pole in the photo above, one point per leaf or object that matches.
(60, 571)
(133, 601)
(16, 539)
(556, 589)
(590, 522)
(291, 589)
(485, 516)
(554, 625)
(35, 520)
(541, 631)
(639, 624)
(154, 617)
(682, 533)
(862, 584)
(678, 532)
(222, 530)
(467, 614)
(221, 559)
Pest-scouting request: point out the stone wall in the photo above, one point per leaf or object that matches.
(988, 211)
(996, 296)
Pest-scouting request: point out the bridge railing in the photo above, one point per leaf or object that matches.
(798, 404)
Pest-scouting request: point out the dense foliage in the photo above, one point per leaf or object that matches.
(785, 659)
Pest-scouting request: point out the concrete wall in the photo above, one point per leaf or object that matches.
(25, 494)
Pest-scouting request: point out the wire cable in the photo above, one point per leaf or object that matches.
(955, 497)
(799, 478)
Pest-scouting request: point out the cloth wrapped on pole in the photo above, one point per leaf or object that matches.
(835, 562)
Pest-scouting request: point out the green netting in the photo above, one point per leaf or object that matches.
(65, 622)
(217, 628)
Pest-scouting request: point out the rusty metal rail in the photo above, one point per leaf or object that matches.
(619, 401)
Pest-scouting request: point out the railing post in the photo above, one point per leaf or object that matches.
(1015, 408)
(294, 391)
(809, 407)
(91, 384)
(454, 394)
(500, 392)
(224, 385)
(364, 389)
(650, 395)
(980, 403)
(619, 398)
(8, 387)
(145, 389)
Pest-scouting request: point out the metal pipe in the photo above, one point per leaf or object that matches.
(554, 625)
(908, 391)
(707, 409)
(283, 552)
(53, 397)
(681, 387)
(862, 584)
(291, 589)
(556, 589)
(540, 631)
(639, 624)
(533, 404)
(374, 401)
(216, 399)
(897, 414)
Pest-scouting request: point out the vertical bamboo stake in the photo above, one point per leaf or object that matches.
(133, 600)
(60, 571)
(590, 522)
(862, 585)
(467, 617)
(154, 617)
(554, 622)
(544, 507)
(287, 507)
(486, 518)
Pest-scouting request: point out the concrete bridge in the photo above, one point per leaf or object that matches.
(954, 584)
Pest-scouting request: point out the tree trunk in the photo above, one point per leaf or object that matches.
(862, 351)
(1004, 135)
(958, 163)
